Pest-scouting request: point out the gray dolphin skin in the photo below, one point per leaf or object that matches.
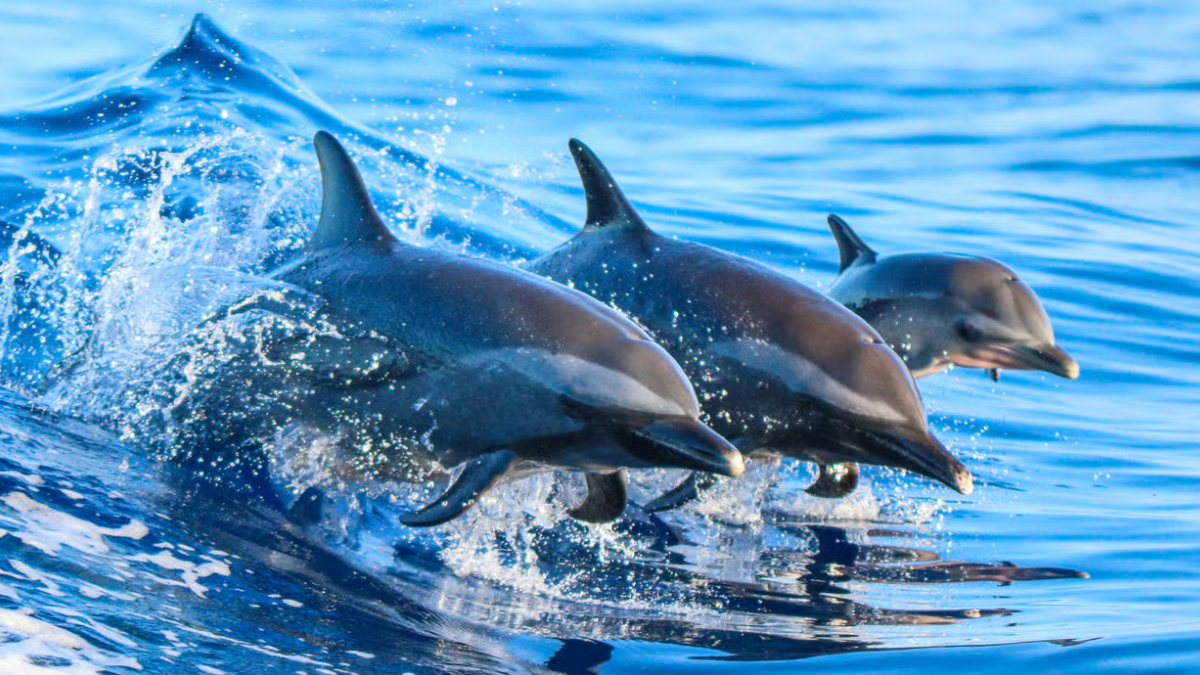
(435, 360)
(778, 366)
(938, 309)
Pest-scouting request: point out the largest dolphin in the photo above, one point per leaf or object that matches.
(418, 360)
(938, 309)
(777, 365)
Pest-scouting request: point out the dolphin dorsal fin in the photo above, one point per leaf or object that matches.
(852, 248)
(347, 215)
(606, 204)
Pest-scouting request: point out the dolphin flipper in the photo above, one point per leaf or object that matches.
(834, 480)
(687, 491)
(851, 247)
(606, 497)
(477, 477)
(994, 373)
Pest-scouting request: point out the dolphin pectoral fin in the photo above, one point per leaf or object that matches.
(852, 249)
(994, 373)
(347, 214)
(477, 477)
(606, 204)
(834, 480)
(606, 498)
(687, 491)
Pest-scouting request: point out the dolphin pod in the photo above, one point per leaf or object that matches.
(417, 362)
(938, 309)
(442, 360)
(778, 366)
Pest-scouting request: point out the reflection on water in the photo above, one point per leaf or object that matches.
(801, 604)
(804, 595)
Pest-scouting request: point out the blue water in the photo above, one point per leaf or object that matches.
(150, 178)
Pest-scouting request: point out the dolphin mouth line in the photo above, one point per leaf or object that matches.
(937, 464)
(1048, 358)
(709, 451)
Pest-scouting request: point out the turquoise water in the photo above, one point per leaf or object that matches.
(170, 173)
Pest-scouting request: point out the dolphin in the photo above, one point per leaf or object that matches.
(938, 309)
(778, 366)
(418, 360)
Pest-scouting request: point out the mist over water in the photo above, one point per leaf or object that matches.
(153, 173)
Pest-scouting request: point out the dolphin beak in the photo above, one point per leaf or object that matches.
(1050, 358)
(687, 444)
(921, 453)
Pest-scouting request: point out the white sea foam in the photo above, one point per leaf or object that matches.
(190, 573)
(33, 640)
(48, 529)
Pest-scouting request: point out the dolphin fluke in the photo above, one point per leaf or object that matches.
(479, 475)
(347, 214)
(606, 498)
(606, 204)
(852, 249)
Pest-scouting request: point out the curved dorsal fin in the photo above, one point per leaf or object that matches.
(347, 215)
(852, 249)
(606, 204)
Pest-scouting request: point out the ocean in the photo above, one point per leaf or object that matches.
(156, 162)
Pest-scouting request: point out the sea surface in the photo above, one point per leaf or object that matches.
(155, 164)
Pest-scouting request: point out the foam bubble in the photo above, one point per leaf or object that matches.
(48, 529)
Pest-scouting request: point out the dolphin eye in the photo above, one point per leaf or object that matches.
(966, 331)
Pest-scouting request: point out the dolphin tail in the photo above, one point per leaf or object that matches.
(606, 498)
(851, 247)
(479, 475)
(687, 491)
(834, 481)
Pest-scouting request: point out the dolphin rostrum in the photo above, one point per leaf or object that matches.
(430, 360)
(938, 309)
(778, 366)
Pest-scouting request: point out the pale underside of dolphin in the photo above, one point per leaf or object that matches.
(436, 360)
(778, 367)
(938, 309)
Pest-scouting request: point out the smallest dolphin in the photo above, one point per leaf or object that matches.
(938, 309)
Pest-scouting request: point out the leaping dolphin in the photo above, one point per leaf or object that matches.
(778, 366)
(937, 309)
(430, 360)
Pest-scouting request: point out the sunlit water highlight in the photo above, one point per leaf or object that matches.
(153, 193)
